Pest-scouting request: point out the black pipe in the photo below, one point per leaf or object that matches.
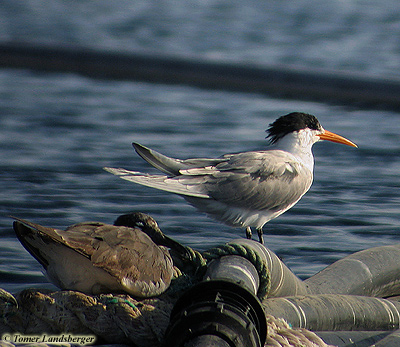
(283, 81)
(217, 313)
(222, 310)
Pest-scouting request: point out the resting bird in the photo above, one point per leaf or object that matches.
(245, 189)
(94, 258)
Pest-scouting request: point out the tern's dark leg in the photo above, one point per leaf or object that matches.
(260, 235)
(248, 232)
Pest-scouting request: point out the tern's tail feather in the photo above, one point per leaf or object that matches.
(162, 182)
(170, 166)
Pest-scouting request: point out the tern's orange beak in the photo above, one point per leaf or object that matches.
(327, 135)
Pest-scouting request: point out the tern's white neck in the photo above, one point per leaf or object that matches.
(299, 143)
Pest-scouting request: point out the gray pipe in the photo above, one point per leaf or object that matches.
(331, 312)
(235, 268)
(353, 338)
(283, 281)
(392, 340)
(319, 303)
(371, 272)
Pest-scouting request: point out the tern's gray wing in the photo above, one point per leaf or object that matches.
(177, 184)
(254, 180)
(265, 180)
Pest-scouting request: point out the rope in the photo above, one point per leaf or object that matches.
(110, 318)
(113, 319)
(198, 265)
(196, 258)
(280, 334)
(249, 254)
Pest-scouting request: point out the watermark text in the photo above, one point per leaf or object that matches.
(63, 338)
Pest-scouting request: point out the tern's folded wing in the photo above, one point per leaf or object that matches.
(269, 180)
(178, 184)
(254, 180)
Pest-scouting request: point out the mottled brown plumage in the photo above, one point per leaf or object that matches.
(94, 257)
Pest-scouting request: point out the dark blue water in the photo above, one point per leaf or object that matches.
(338, 34)
(59, 130)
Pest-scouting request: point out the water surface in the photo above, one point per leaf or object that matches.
(59, 130)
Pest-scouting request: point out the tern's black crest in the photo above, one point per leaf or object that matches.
(294, 121)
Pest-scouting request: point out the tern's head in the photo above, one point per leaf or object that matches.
(302, 125)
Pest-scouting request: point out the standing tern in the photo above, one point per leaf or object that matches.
(245, 189)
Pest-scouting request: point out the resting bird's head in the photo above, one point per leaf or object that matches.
(150, 227)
